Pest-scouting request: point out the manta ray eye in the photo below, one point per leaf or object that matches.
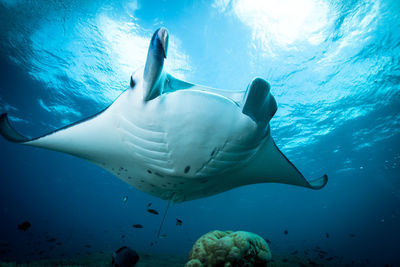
(133, 83)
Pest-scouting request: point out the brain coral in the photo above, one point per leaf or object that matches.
(229, 249)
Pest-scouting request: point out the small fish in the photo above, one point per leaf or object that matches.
(149, 205)
(163, 236)
(179, 222)
(122, 236)
(152, 211)
(327, 235)
(137, 226)
(24, 226)
(286, 232)
(125, 199)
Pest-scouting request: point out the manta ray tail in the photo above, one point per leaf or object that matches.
(259, 104)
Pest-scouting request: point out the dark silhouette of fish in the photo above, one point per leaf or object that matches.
(149, 205)
(327, 235)
(352, 235)
(312, 263)
(124, 257)
(24, 226)
(152, 211)
(179, 222)
(286, 232)
(137, 226)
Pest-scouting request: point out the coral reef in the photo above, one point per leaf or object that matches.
(229, 249)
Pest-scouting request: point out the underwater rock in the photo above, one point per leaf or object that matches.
(124, 257)
(230, 249)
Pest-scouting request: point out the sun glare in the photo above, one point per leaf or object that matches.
(284, 21)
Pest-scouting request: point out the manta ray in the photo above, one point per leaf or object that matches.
(176, 140)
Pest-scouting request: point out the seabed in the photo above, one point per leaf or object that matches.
(167, 260)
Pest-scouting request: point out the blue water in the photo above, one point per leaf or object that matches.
(334, 69)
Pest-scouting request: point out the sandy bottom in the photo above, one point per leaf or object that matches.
(154, 260)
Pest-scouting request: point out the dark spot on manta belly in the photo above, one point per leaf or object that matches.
(187, 169)
(149, 171)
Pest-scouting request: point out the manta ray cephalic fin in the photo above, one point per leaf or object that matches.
(259, 104)
(153, 70)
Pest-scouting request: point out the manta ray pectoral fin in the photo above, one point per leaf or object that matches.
(319, 182)
(76, 139)
(8, 132)
(259, 104)
(152, 75)
(270, 165)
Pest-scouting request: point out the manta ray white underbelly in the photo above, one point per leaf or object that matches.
(176, 140)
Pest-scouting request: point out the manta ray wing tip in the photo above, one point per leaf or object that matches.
(8, 132)
(319, 182)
